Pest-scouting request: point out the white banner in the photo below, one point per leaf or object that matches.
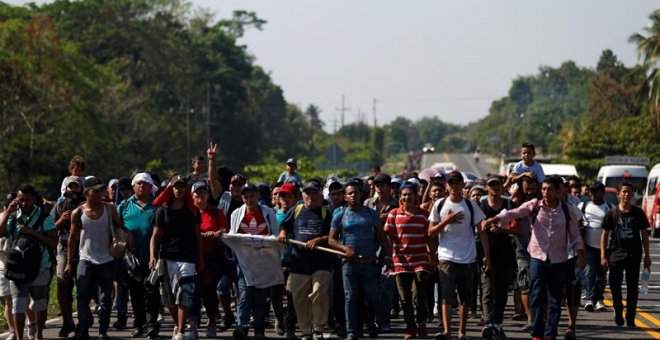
(258, 257)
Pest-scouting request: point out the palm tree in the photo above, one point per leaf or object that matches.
(648, 48)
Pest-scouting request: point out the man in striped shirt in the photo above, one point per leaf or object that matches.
(407, 230)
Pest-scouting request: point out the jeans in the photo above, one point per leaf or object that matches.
(594, 275)
(360, 279)
(90, 276)
(495, 286)
(251, 299)
(412, 289)
(547, 285)
(631, 266)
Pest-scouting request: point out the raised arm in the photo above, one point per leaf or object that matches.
(214, 183)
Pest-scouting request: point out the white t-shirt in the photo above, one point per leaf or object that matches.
(456, 241)
(594, 216)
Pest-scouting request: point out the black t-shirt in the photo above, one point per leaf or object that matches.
(178, 242)
(625, 232)
(233, 205)
(502, 246)
(308, 225)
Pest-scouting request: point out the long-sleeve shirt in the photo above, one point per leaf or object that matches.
(548, 239)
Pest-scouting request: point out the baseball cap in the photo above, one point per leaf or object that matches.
(439, 176)
(288, 188)
(478, 187)
(493, 178)
(311, 185)
(94, 183)
(238, 178)
(382, 178)
(292, 161)
(455, 176)
(409, 185)
(249, 187)
(112, 182)
(178, 179)
(199, 185)
(597, 186)
(124, 183)
(414, 181)
(73, 179)
(397, 180)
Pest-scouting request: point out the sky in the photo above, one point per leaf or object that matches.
(423, 58)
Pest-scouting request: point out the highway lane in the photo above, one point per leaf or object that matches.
(463, 162)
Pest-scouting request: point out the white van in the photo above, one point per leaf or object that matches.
(562, 170)
(613, 175)
(650, 201)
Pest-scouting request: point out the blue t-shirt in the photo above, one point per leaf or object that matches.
(308, 225)
(293, 178)
(357, 228)
(536, 169)
(18, 218)
(138, 220)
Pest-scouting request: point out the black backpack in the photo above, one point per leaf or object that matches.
(24, 257)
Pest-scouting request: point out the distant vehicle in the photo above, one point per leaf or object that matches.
(428, 147)
(650, 199)
(447, 167)
(614, 175)
(611, 195)
(562, 170)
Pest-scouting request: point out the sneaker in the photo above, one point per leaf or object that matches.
(631, 324)
(570, 334)
(618, 318)
(317, 335)
(178, 336)
(104, 337)
(351, 336)
(239, 333)
(137, 332)
(97, 310)
(589, 306)
(489, 331)
(385, 327)
(409, 334)
(67, 327)
(192, 335)
(422, 332)
(600, 306)
(211, 332)
(278, 328)
(527, 326)
(32, 330)
(499, 332)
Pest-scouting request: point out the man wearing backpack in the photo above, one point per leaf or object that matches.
(452, 226)
(553, 224)
(309, 281)
(495, 282)
(32, 231)
(621, 243)
(594, 212)
(362, 234)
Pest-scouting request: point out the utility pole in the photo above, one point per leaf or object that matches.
(374, 110)
(343, 109)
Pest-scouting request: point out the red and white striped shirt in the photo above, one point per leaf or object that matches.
(408, 233)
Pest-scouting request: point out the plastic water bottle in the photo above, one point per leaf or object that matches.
(644, 284)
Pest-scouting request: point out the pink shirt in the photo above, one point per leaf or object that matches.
(548, 240)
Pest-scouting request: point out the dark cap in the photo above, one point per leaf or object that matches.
(292, 161)
(249, 187)
(439, 176)
(124, 183)
(493, 178)
(311, 185)
(94, 183)
(409, 185)
(597, 186)
(382, 178)
(455, 176)
(178, 179)
(199, 185)
(238, 178)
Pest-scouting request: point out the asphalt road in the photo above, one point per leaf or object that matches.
(463, 162)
